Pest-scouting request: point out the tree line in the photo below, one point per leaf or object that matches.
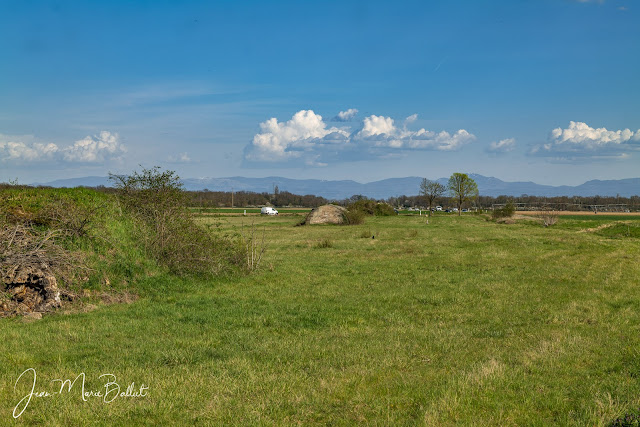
(206, 198)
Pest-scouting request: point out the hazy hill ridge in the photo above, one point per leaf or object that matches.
(383, 189)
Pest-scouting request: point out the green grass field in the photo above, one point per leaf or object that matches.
(462, 321)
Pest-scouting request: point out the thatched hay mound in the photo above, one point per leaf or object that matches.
(326, 214)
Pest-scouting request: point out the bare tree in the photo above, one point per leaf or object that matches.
(431, 190)
(462, 189)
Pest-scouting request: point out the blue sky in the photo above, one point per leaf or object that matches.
(543, 91)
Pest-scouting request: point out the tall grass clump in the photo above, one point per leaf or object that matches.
(324, 243)
(165, 226)
(254, 246)
(548, 217)
(366, 234)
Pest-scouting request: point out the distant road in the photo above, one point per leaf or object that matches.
(600, 213)
(235, 211)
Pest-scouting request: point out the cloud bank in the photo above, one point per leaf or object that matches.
(306, 139)
(90, 149)
(580, 140)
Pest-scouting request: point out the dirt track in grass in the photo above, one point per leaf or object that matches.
(585, 213)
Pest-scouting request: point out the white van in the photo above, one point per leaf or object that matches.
(267, 210)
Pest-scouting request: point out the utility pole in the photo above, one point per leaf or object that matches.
(231, 196)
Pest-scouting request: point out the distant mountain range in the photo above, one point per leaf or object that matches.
(386, 188)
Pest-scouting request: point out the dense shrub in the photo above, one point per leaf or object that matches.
(354, 216)
(366, 206)
(371, 207)
(507, 211)
(383, 209)
(166, 228)
(357, 211)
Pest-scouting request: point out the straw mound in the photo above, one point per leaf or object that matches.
(326, 214)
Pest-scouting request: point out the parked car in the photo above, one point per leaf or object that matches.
(268, 210)
(439, 208)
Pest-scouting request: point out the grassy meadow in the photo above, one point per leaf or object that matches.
(393, 322)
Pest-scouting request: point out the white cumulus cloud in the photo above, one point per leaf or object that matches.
(582, 140)
(20, 151)
(442, 141)
(306, 139)
(580, 133)
(412, 118)
(377, 125)
(95, 148)
(345, 116)
(279, 141)
(91, 149)
(502, 146)
(381, 132)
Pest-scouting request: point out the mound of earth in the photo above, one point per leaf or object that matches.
(326, 214)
